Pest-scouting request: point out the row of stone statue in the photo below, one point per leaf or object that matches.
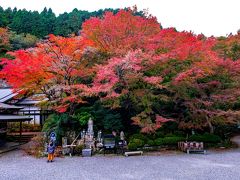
(87, 139)
(88, 136)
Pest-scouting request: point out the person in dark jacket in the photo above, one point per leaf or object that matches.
(50, 150)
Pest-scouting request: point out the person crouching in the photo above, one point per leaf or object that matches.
(50, 150)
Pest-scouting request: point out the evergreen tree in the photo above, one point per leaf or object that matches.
(46, 22)
(48, 19)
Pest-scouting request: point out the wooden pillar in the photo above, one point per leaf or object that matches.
(20, 135)
(41, 117)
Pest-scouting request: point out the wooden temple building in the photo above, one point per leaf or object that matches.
(14, 108)
(26, 106)
(8, 114)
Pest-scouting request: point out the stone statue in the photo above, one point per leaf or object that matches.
(83, 133)
(89, 135)
(90, 128)
(122, 136)
(99, 136)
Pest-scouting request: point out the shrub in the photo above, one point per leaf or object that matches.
(211, 138)
(35, 147)
(151, 142)
(158, 141)
(159, 134)
(55, 123)
(135, 143)
(206, 138)
(180, 134)
(156, 135)
(170, 135)
(139, 136)
(82, 118)
(169, 140)
(78, 149)
(172, 140)
(132, 146)
(138, 142)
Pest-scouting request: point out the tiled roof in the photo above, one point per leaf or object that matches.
(7, 106)
(3, 84)
(6, 94)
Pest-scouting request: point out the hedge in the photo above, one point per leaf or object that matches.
(206, 138)
(135, 143)
(150, 142)
(168, 140)
(138, 136)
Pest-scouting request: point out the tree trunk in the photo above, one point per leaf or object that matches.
(72, 108)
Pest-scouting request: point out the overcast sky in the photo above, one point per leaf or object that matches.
(210, 17)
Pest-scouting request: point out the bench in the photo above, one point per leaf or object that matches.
(133, 153)
(194, 150)
(191, 147)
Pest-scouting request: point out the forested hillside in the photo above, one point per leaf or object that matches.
(46, 22)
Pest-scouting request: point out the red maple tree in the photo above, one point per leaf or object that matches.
(52, 68)
(121, 32)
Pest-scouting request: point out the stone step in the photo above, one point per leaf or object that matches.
(9, 146)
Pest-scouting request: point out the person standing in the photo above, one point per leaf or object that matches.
(50, 150)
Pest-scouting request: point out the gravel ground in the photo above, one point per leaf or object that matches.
(213, 166)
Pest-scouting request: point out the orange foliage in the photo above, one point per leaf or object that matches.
(4, 39)
(51, 68)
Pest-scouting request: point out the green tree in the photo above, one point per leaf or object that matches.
(22, 41)
(104, 118)
(48, 19)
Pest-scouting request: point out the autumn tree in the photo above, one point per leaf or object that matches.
(139, 81)
(194, 78)
(54, 68)
(121, 32)
(132, 66)
(122, 84)
(4, 40)
(229, 47)
(209, 92)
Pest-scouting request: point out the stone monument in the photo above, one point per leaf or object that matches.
(99, 136)
(89, 139)
(122, 136)
(90, 132)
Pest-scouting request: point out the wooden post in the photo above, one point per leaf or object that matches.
(20, 137)
(41, 117)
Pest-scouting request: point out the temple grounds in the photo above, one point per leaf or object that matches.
(222, 165)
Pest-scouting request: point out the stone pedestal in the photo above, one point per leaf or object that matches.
(87, 152)
(64, 143)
